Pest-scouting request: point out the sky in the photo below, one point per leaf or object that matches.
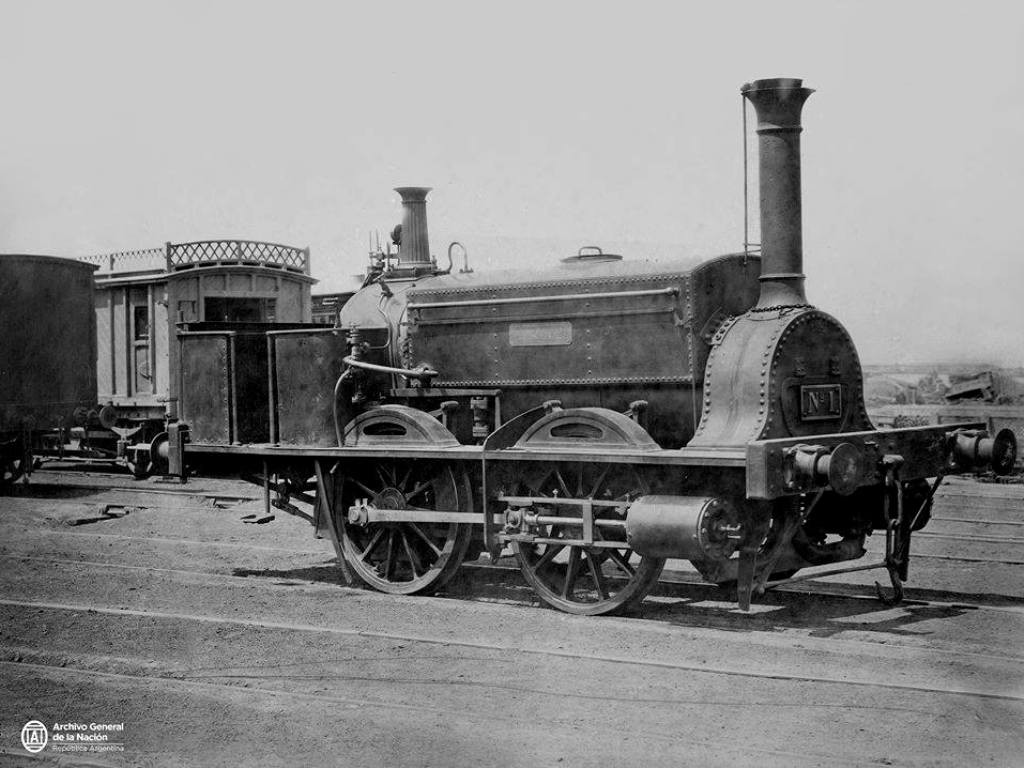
(542, 127)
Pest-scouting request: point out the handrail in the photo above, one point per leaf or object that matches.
(533, 299)
(409, 373)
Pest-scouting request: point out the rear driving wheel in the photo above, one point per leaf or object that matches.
(405, 558)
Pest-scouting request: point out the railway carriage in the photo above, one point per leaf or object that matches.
(47, 356)
(326, 306)
(596, 419)
(143, 297)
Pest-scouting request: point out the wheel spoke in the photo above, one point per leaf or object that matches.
(537, 488)
(367, 490)
(414, 559)
(401, 486)
(598, 483)
(374, 541)
(549, 554)
(389, 563)
(571, 571)
(418, 490)
(621, 561)
(597, 576)
(419, 532)
(561, 482)
(386, 482)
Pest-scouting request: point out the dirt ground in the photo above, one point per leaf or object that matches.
(217, 642)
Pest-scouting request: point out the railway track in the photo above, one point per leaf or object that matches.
(407, 686)
(956, 534)
(447, 642)
(683, 741)
(952, 536)
(682, 593)
(178, 604)
(676, 580)
(64, 482)
(507, 570)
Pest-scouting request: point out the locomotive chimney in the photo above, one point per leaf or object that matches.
(415, 248)
(778, 102)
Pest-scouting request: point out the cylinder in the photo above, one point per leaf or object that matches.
(689, 527)
(415, 247)
(778, 103)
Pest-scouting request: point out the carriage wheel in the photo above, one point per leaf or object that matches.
(580, 579)
(140, 469)
(12, 461)
(10, 470)
(412, 557)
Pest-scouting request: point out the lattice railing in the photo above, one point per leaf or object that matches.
(203, 252)
(183, 255)
(143, 260)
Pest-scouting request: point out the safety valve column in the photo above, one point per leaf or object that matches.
(415, 247)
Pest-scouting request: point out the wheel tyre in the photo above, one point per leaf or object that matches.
(590, 566)
(406, 558)
(139, 469)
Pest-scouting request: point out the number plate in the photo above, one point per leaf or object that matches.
(539, 334)
(819, 402)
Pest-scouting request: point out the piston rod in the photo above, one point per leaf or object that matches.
(574, 521)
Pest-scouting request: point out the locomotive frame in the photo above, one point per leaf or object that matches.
(286, 473)
(453, 414)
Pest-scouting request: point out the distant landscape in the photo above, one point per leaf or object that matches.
(932, 383)
(908, 395)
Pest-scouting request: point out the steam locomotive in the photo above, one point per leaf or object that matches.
(597, 418)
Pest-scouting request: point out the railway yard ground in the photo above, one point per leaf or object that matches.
(219, 640)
